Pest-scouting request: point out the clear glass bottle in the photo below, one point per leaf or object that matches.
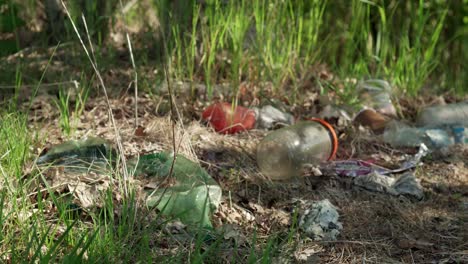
(283, 153)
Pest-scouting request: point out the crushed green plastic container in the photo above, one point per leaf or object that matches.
(190, 193)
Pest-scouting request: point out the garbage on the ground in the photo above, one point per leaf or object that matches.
(232, 232)
(372, 119)
(283, 153)
(268, 117)
(330, 111)
(444, 115)
(452, 118)
(406, 184)
(229, 119)
(375, 94)
(320, 221)
(91, 152)
(401, 135)
(189, 193)
(460, 134)
(380, 179)
(354, 168)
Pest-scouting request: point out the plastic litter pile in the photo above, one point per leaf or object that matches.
(184, 190)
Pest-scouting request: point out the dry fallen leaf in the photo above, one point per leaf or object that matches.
(303, 254)
(410, 243)
(140, 131)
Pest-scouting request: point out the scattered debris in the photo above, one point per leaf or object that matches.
(183, 189)
(232, 232)
(401, 135)
(333, 112)
(81, 155)
(406, 184)
(87, 188)
(189, 193)
(353, 168)
(269, 117)
(372, 119)
(375, 220)
(376, 182)
(438, 127)
(308, 254)
(283, 153)
(444, 115)
(229, 119)
(320, 221)
(375, 94)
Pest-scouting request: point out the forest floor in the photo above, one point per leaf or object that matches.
(377, 227)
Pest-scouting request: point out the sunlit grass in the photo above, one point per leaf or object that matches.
(261, 40)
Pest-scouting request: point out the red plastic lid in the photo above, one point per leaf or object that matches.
(332, 133)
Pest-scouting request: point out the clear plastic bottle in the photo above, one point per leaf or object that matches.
(376, 94)
(282, 153)
(444, 115)
(399, 134)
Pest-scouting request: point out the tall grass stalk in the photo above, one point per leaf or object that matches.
(416, 57)
(69, 119)
(238, 23)
(213, 35)
(93, 63)
(28, 234)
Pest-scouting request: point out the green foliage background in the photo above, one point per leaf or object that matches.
(413, 44)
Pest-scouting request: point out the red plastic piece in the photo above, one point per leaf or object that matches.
(227, 119)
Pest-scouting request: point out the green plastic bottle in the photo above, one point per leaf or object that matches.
(189, 193)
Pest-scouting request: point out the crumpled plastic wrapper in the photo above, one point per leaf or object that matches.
(406, 184)
(320, 221)
(268, 117)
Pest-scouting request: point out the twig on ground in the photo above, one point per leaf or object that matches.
(173, 112)
(74, 82)
(356, 242)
